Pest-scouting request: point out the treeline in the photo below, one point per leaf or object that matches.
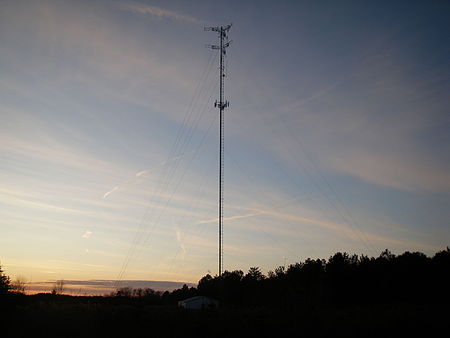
(344, 296)
(411, 277)
(342, 279)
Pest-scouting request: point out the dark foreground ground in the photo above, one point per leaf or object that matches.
(65, 316)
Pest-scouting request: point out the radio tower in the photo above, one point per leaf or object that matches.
(224, 43)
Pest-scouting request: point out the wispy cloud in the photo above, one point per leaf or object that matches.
(160, 13)
(231, 218)
(348, 232)
(382, 149)
(17, 201)
(392, 170)
(87, 234)
(134, 179)
(297, 104)
(142, 173)
(180, 243)
(100, 287)
(111, 191)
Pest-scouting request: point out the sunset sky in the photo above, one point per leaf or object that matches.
(337, 135)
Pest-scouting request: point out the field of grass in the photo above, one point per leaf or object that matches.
(67, 316)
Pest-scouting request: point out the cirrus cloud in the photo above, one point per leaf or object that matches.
(160, 13)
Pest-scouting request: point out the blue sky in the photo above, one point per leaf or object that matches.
(337, 136)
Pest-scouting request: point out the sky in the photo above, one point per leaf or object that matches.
(336, 139)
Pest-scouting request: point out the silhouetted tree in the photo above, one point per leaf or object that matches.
(179, 294)
(442, 258)
(440, 276)
(19, 285)
(231, 287)
(208, 286)
(124, 292)
(138, 293)
(344, 279)
(340, 270)
(5, 282)
(253, 286)
(58, 287)
(254, 274)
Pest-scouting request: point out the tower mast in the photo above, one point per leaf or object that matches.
(222, 104)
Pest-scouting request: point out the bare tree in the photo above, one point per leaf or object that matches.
(124, 292)
(19, 284)
(58, 287)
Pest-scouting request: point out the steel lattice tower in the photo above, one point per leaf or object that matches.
(221, 104)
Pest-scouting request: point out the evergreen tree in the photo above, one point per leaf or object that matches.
(5, 282)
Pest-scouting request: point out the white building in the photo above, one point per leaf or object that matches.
(198, 303)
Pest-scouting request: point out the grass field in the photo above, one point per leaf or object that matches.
(67, 316)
